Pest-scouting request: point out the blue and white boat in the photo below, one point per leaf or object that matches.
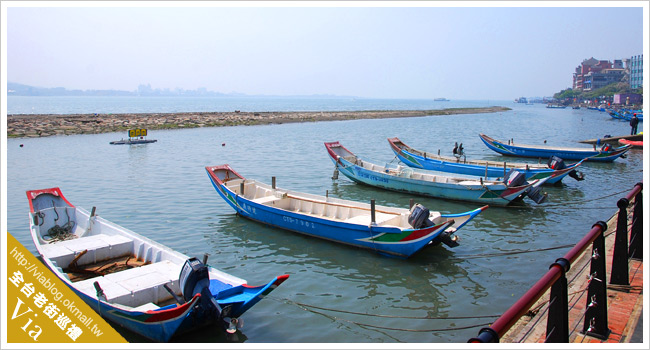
(131, 280)
(404, 179)
(606, 153)
(386, 230)
(553, 172)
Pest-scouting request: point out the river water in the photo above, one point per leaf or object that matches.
(161, 190)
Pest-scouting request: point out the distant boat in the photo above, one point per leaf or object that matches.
(553, 172)
(136, 137)
(614, 139)
(555, 106)
(635, 144)
(440, 99)
(605, 154)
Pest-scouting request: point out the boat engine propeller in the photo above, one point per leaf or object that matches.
(516, 178)
(195, 278)
(557, 163)
(419, 218)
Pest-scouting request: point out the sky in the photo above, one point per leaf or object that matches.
(458, 51)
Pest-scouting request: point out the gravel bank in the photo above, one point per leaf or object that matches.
(41, 125)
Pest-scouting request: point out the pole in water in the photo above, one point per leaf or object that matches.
(241, 189)
(411, 203)
(273, 182)
(504, 170)
(335, 175)
(372, 211)
(486, 170)
(205, 258)
(92, 212)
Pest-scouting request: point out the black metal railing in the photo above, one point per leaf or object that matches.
(595, 316)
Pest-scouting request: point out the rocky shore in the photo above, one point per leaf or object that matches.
(41, 125)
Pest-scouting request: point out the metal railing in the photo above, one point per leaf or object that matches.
(595, 317)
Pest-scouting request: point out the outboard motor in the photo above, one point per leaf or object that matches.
(194, 278)
(514, 178)
(535, 193)
(556, 163)
(419, 217)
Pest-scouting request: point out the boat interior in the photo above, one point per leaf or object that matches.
(130, 269)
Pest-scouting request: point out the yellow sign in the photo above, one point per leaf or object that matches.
(137, 132)
(42, 309)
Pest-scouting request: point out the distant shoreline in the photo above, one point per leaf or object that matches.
(43, 125)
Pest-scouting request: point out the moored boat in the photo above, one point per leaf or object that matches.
(553, 172)
(604, 154)
(402, 179)
(613, 139)
(634, 144)
(385, 230)
(131, 280)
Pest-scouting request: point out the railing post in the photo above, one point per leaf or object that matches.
(620, 267)
(557, 323)
(486, 335)
(596, 322)
(636, 238)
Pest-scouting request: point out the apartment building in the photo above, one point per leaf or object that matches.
(635, 71)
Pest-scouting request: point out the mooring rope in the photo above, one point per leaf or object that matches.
(312, 308)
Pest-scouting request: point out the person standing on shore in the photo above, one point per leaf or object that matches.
(634, 122)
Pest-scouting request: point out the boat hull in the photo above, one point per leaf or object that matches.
(548, 152)
(387, 240)
(134, 297)
(487, 171)
(443, 187)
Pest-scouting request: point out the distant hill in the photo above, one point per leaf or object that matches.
(16, 89)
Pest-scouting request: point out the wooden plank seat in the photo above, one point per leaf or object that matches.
(137, 286)
(100, 247)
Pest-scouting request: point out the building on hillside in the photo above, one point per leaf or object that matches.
(593, 74)
(635, 71)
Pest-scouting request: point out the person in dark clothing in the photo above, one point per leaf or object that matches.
(634, 122)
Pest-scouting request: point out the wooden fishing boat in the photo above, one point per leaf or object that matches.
(605, 154)
(634, 144)
(553, 172)
(385, 230)
(131, 280)
(613, 139)
(403, 179)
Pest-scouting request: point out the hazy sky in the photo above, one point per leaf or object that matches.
(395, 52)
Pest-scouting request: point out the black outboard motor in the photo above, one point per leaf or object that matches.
(419, 218)
(535, 193)
(194, 278)
(514, 178)
(557, 163)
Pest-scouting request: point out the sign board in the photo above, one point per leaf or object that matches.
(137, 132)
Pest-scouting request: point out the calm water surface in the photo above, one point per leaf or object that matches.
(161, 190)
